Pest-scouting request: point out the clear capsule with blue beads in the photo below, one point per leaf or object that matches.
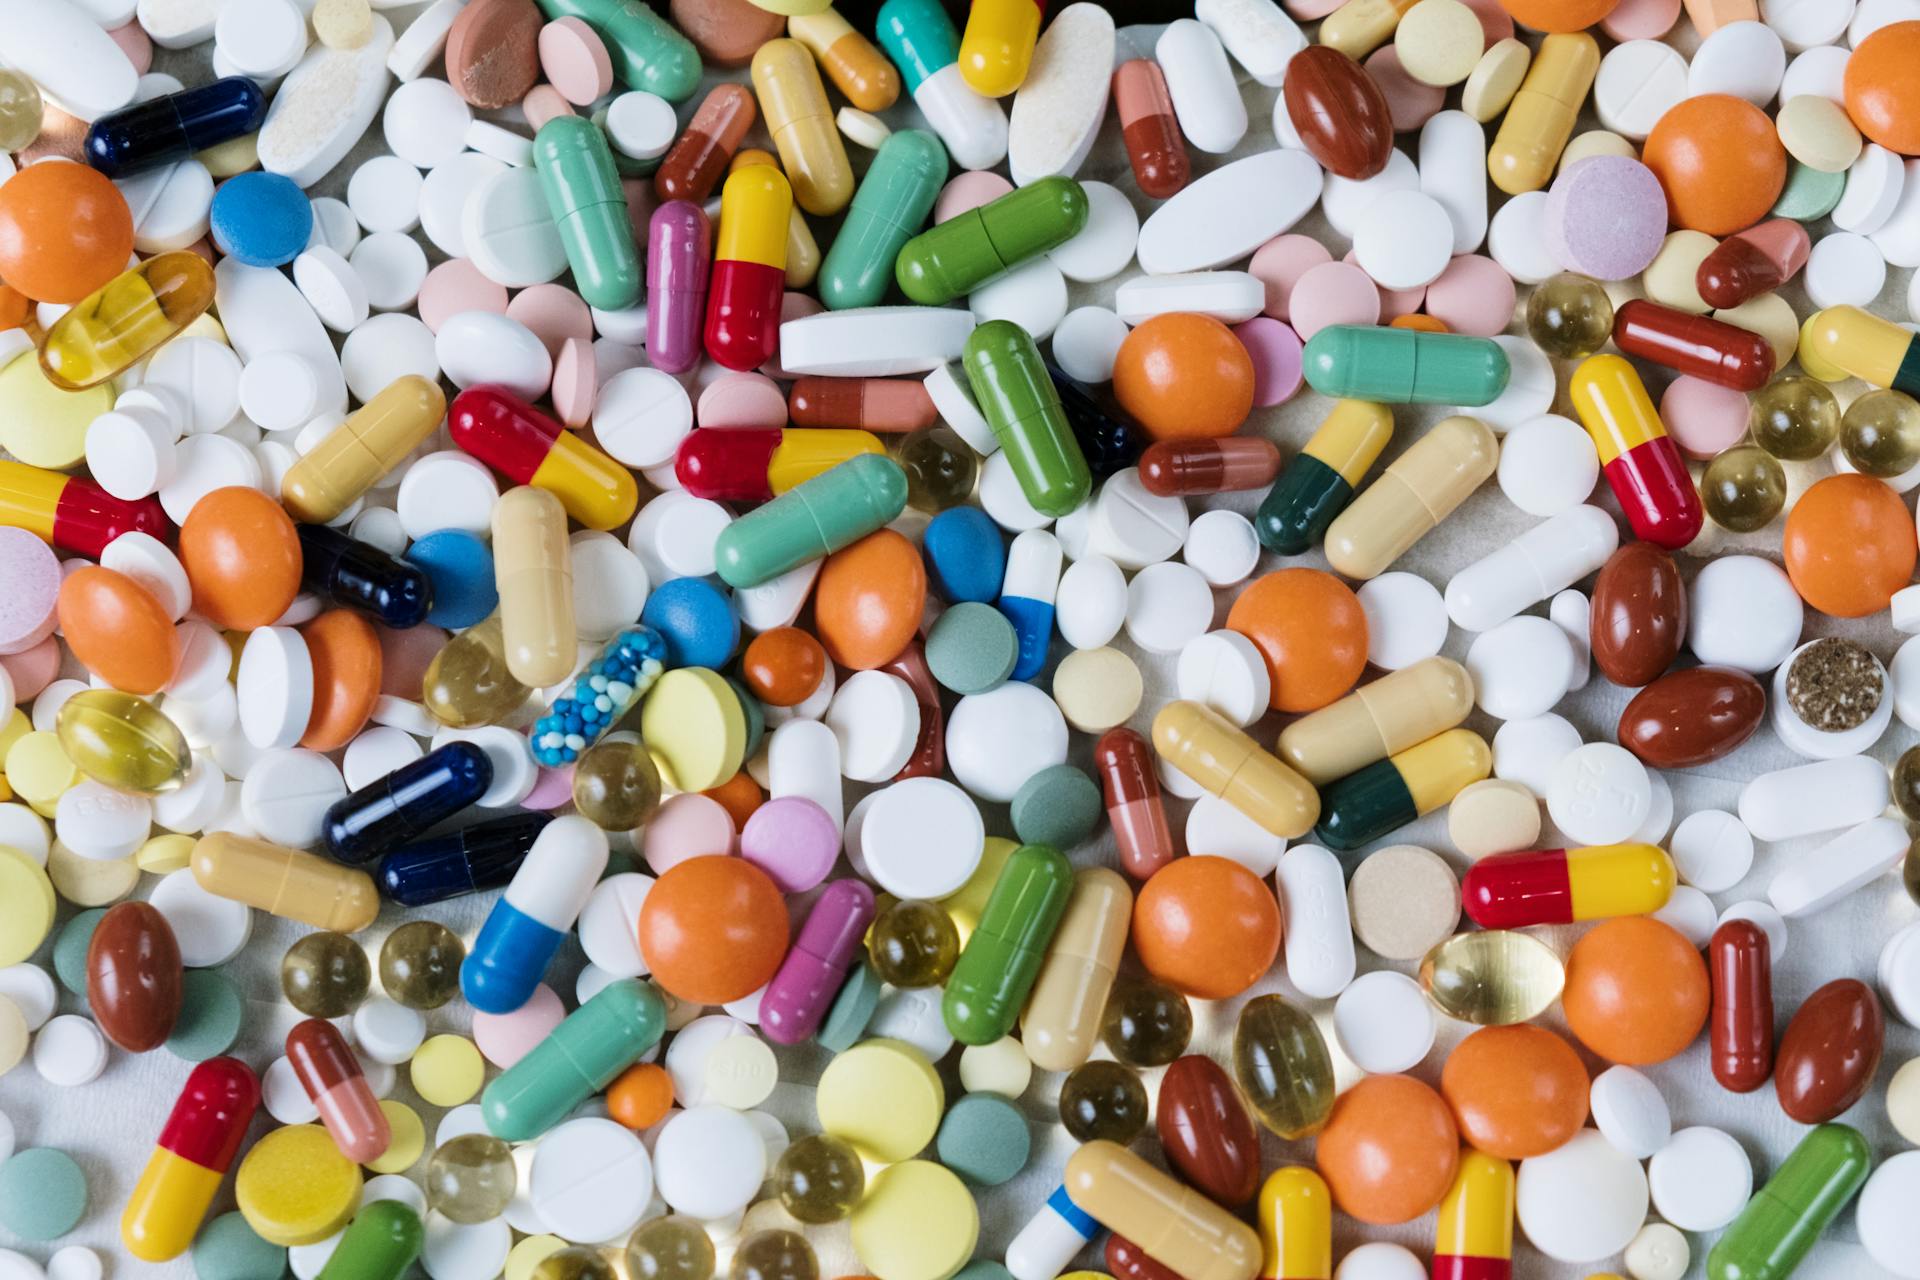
(605, 690)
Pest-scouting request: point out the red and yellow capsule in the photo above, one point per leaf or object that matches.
(1473, 1239)
(749, 268)
(1560, 886)
(73, 514)
(1869, 347)
(1643, 466)
(756, 464)
(195, 1150)
(997, 47)
(1296, 1225)
(528, 447)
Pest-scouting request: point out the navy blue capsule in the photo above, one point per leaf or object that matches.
(359, 575)
(165, 129)
(480, 857)
(405, 804)
(1107, 436)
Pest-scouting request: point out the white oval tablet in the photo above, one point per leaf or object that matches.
(1521, 668)
(476, 347)
(876, 719)
(1319, 937)
(1630, 1111)
(1091, 602)
(1223, 216)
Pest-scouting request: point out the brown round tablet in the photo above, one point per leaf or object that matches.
(493, 52)
(726, 32)
(1405, 901)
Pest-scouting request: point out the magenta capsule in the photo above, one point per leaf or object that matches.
(809, 978)
(324, 1063)
(1132, 793)
(679, 260)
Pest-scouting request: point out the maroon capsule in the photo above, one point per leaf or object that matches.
(1756, 261)
(1691, 717)
(1134, 808)
(697, 162)
(1193, 466)
(134, 978)
(1339, 112)
(1128, 1261)
(1639, 615)
(1155, 147)
(930, 750)
(1709, 349)
(1205, 1131)
(1830, 1052)
(1740, 1029)
(865, 404)
(324, 1063)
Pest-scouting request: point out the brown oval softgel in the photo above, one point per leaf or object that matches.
(1690, 717)
(1205, 1130)
(1339, 112)
(1830, 1052)
(134, 977)
(1639, 614)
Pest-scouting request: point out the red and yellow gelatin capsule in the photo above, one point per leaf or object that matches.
(1473, 1238)
(1642, 464)
(1560, 886)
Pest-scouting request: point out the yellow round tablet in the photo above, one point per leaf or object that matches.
(13, 1035)
(917, 1222)
(26, 906)
(1097, 689)
(530, 1253)
(1595, 142)
(409, 1138)
(1439, 42)
(1494, 80)
(230, 158)
(163, 854)
(692, 721)
(740, 1072)
(447, 1071)
(967, 902)
(1086, 1275)
(1670, 278)
(1001, 1067)
(41, 424)
(39, 771)
(295, 1187)
(90, 882)
(884, 1097)
(1771, 316)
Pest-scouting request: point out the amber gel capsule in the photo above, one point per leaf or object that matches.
(1191, 467)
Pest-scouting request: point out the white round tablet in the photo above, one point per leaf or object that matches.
(1517, 239)
(149, 562)
(1168, 605)
(1701, 1179)
(1659, 1252)
(1384, 1022)
(709, 1161)
(1406, 620)
(69, 1050)
(1531, 387)
(458, 1251)
(1219, 830)
(1521, 668)
(1712, 850)
(288, 792)
(131, 455)
(1404, 240)
(514, 772)
(1743, 613)
(31, 989)
(393, 266)
(1745, 59)
(98, 823)
(209, 929)
(876, 718)
(204, 375)
(1223, 670)
(1085, 343)
(1002, 498)
(685, 1060)
(384, 194)
(608, 924)
(641, 416)
(1885, 1219)
(1528, 751)
(1582, 1201)
(332, 288)
(1599, 794)
(1103, 248)
(375, 753)
(1844, 269)
(1547, 465)
(641, 125)
(591, 1180)
(387, 347)
(922, 838)
(284, 1097)
(609, 585)
(1221, 544)
(388, 1032)
(1379, 1260)
(1690, 913)
(447, 490)
(425, 123)
(1630, 1111)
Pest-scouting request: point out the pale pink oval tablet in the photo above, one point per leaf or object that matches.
(576, 61)
(505, 1038)
(29, 590)
(454, 286)
(551, 789)
(1275, 349)
(969, 190)
(1280, 262)
(1641, 19)
(575, 383)
(405, 655)
(1495, 21)
(1393, 302)
(135, 43)
(793, 840)
(1333, 293)
(1409, 102)
(1308, 10)
(1474, 296)
(543, 103)
(32, 669)
(741, 400)
(689, 825)
(554, 313)
(1705, 420)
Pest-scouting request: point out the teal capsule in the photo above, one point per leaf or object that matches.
(579, 1058)
(648, 52)
(1388, 794)
(590, 211)
(1403, 366)
(1021, 404)
(1808, 1191)
(996, 970)
(380, 1244)
(919, 37)
(961, 254)
(836, 508)
(893, 201)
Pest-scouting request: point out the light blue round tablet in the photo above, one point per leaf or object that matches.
(210, 1014)
(262, 219)
(228, 1249)
(1058, 806)
(984, 1139)
(697, 621)
(461, 569)
(43, 1194)
(70, 950)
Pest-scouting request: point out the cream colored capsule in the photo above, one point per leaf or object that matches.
(1173, 1224)
(1063, 1012)
(1377, 720)
(1200, 743)
(1357, 28)
(1412, 496)
(1540, 119)
(533, 571)
(285, 882)
(357, 453)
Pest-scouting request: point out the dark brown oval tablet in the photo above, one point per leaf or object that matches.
(1339, 112)
(1690, 717)
(134, 985)
(1830, 1052)
(1639, 615)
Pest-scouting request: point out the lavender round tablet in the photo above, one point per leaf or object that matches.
(793, 840)
(1275, 349)
(29, 590)
(1606, 217)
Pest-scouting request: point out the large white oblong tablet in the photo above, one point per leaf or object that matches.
(1227, 214)
(264, 312)
(1815, 881)
(324, 106)
(1453, 166)
(1058, 108)
(76, 63)
(874, 342)
(1227, 296)
(1824, 796)
(1260, 37)
(1313, 902)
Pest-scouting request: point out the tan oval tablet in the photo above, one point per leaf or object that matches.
(1818, 133)
(1494, 80)
(1494, 815)
(1670, 279)
(1771, 316)
(493, 53)
(1596, 142)
(1439, 42)
(343, 24)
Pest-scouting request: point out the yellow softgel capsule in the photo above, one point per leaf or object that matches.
(409, 1139)
(918, 1221)
(967, 902)
(884, 1097)
(692, 721)
(126, 319)
(90, 882)
(123, 741)
(26, 906)
(39, 772)
(447, 1071)
(295, 1187)
(164, 854)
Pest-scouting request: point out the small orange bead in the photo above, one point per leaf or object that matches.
(782, 667)
(713, 929)
(346, 678)
(640, 1096)
(65, 230)
(1636, 991)
(1310, 628)
(1419, 321)
(118, 630)
(242, 556)
(1720, 160)
(1515, 1091)
(739, 795)
(1849, 545)
(1184, 374)
(1882, 91)
(1206, 926)
(1389, 1150)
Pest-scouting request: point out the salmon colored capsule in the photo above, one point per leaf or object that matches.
(1706, 348)
(1139, 819)
(1642, 464)
(346, 677)
(197, 1146)
(697, 162)
(1740, 1027)
(118, 630)
(1296, 1225)
(242, 556)
(858, 70)
(1473, 1239)
(327, 1069)
(869, 404)
(72, 513)
(1155, 147)
(1708, 16)
(1758, 260)
(528, 447)
(1562, 886)
(1194, 466)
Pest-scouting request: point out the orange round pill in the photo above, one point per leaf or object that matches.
(1420, 322)
(118, 630)
(1559, 15)
(14, 306)
(1206, 926)
(1720, 160)
(1184, 374)
(1389, 1150)
(739, 795)
(640, 1096)
(1882, 89)
(713, 929)
(346, 677)
(242, 556)
(783, 666)
(1636, 991)
(1515, 1091)
(1310, 628)
(868, 600)
(65, 230)
(1849, 545)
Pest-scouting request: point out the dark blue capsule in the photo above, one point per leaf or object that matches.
(173, 127)
(480, 857)
(405, 804)
(358, 575)
(1107, 436)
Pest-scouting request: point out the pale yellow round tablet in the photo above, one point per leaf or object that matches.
(225, 160)
(26, 906)
(1771, 316)
(1670, 279)
(862, 128)
(164, 854)
(1495, 79)
(918, 1221)
(1595, 142)
(89, 882)
(343, 24)
(39, 772)
(1439, 42)
(740, 1072)
(1001, 1067)
(1405, 900)
(14, 1035)
(409, 1140)
(530, 1253)
(967, 902)
(1903, 1100)
(1811, 362)
(884, 1097)
(447, 1071)
(43, 425)
(1097, 689)
(16, 727)
(692, 721)
(1818, 133)
(1493, 816)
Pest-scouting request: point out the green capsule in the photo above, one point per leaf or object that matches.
(1778, 1226)
(836, 508)
(1318, 484)
(648, 52)
(963, 253)
(894, 199)
(1403, 366)
(579, 1058)
(996, 969)
(382, 1242)
(589, 210)
(1021, 404)
(1388, 794)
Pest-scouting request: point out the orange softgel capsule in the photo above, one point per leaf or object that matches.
(1310, 628)
(242, 557)
(1515, 1091)
(1636, 991)
(713, 929)
(118, 630)
(346, 678)
(1559, 15)
(1882, 90)
(65, 230)
(1389, 1150)
(1206, 926)
(1721, 162)
(1849, 545)
(1184, 374)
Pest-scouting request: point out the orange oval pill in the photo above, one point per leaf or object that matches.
(1720, 160)
(242, 556)
(118, 630)
(1206, 926)
(1310, 628)
(783, 666)
(346, 677)
(65, 230)
(1559, 15)
(1420, 321)
(713, 929)
(1882, 89)
(867, 603)
(1184, 374)
(739, 795)
(1849, 545)
(1515, 1091)
(640, 1096)
(1636, 991)
(1389, 1150)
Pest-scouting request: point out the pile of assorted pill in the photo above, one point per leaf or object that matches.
(589, 497)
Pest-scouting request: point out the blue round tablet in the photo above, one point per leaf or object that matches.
(262, 219)
(697, 620)
(461, 569)
(965, 556)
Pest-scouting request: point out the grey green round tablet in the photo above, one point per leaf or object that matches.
(1058, 806)
(852, 1009)
(70, 950)
(755, 713)
(210, 1013)
(983, 1269)
(1809, 193)
(43, 1194)
(972, 648)
(984, 1139)
(228, 1249)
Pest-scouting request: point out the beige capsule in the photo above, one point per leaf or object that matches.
(1200, 743)
(1173, 1224)
(1358, 27)
(1412, 497)
(1063, 1012)
(1397, 711)
(533, 572)
(285, 882)
(357, 453)
(1542, 114)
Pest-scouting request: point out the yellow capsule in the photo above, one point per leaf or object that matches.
(125, 319)
(1412, 496)
(1358, 27)
(1475, 1226)
(1395, 712)
(1070, 994)
(997, 47)
(123, 741)
(794, 104)
(357, 453)
(1172, 1223)
(803, 454)
(285, 882)
(1866, 346)
(858, 70)
(1201, 744)
(1350, 438)
(1296, 1225)
(533, 572)
(802, 250)
(1541, 117)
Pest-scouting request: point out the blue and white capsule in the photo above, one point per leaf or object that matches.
(532, 918)
(617, 678)
(1027, 594)
(1057, 1231)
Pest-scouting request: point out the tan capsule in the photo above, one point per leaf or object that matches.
(1063, 1012)
(1173, 1224)
(1541, 116)
(1358, 27)
(533, 571)
(1201, 744)
(1377, 720)
(1412, 497)
(357, 453)
(285, 882)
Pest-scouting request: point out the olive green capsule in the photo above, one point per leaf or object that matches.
(1808, 1190)
(963, 253)
(381, 1244)
(1021, 404)
(589, 210)
(894, 199)
(1403, 366)
(997, 968)
(579, 1058)
(836, 508)
(648, 51)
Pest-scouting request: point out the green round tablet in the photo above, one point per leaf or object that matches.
(755, 713)
(228, 1249)
(984, 1139)
(1809, 193)
(43, 1194)
(852, 1009)
(70, 950)
(1057, 806)
(972, 648)
(983, 1269)
(210, 1014)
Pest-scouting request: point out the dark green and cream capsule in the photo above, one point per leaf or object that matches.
(1385, 796)
(1404, 366)
(892, 203)
(961, 254)
(1017, 396)
(1318, 485)
(1805, 1194)
(579, 1058)
(997, 968)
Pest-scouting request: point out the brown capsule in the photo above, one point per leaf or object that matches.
(493, 52)
(1740, 1028)
(1690, 717)
(1639, 614)
(134, 977)
(865, 404)
(1830, 1052)
(1128, 1261)
(1205, 1131)
(1339, 112)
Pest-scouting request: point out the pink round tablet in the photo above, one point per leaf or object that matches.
(1705, 420)
(1605, 217)
(1275, 349)
(1393, 302)
(1641, 19)
(552, 788)
(543, 103)
(29, 590)
(505, 1038)
(405, 656)
(1409, 102)
(689, 825)
(1333, 293)
(793, 840)
(134, 42)
(1308, 10)
(1495, 21)
(32, 669)
(969, 190)
(741, 400)
(1280, 262)
(554, 313)
(1474, 296)
(575, 60)
(454, 286)
(575, 382)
